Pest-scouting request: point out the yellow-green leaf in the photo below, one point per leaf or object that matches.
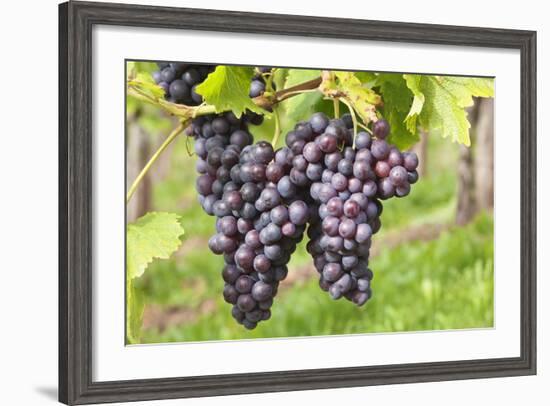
(413, 82)
(397, 102)
(362, 98)
(300, 107)
(227, 89)
(440, 103)
(134, 312)
(155, 235)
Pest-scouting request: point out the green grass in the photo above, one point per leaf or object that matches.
(435, 285)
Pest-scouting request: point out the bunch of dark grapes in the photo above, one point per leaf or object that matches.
(179, 81)
(257, 85)
(346, 178)
(264, 230)
(236, 186)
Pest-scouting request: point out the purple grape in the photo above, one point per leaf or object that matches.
(380, 149)
(403, 189)
(351, 208)
(362, 140)
(244, 284)
(335, 207)
(410, 161)
(363, 233)
(318, 122)
(381, 129)
(331, 225)
(347, 228)
(298, 212)
(327, 143)
(312, 152)
(339, 182)
(412, 177)
(395, 158)
(228, 226)
(262, 291)
(398, 176)
(382, 169)
(246, 303)
(386, 188)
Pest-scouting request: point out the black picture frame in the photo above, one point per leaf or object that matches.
(76, 20)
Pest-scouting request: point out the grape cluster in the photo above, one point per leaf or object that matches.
(346, 184)
(233, 185)
(257, 85)
(324, 164)
(264, 229)
(179, 81)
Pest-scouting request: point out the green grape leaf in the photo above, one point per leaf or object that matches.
(134, 312)
(479, 87)
(302, 106)
(227, 89)
(413, 83)
(155, 235)
(145, 83)
(362, 98)
(397, 102)
(440, 103)
(367, 78)
(279, 77)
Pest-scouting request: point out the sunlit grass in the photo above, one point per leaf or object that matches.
(445, 283)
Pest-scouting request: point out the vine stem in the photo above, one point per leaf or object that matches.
(298, 92)
(173, 135)
(336, 103)
(364, 127)
(277, 127)
(353, 118)
(269, 81)
(186, 112)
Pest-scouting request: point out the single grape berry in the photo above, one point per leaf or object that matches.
(398, 175)
(381, 129)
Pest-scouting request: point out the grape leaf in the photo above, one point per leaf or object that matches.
(279, 77)
(479, 87)
(368, 79)
(397, 102)
(302, 106)
(362, 98)
(155, 235)
(440, 101)
(134, 312)
(413, 82)
(227, 89)
(147, 85)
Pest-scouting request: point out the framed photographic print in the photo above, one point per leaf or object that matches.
(261, 202)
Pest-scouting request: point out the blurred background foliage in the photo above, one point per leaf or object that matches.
(432, 259)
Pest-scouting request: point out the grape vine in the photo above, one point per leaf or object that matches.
(327, 183)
